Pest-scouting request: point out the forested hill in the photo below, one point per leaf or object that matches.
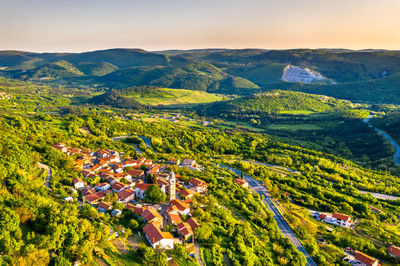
(371, 75)
(197, 76)
(279, 101)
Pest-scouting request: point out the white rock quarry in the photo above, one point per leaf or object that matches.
(297, 74)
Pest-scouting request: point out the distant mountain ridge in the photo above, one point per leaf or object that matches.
(229, 71)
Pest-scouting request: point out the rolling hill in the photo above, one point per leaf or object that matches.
(197, 76)
(278, 102)
(140, 96)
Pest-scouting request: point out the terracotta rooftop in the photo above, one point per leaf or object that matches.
(364, 258)
(340, 216)
(394, 251)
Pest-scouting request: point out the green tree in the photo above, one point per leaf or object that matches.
(154, 194)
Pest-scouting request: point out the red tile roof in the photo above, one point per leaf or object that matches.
(193, 223)
(394, 251)
(77, 180)
(340, 216)
(238, 181)
(142, 186)
(125, 194)
(135, 209)
(184, 229)
(136, 173)
(179, 204)
(151, 214)
(365, 258)
(104, 205)
(154, 234)
(118, 186)
(94, 196)
(197, 182)
(186, 192)
(174, 218)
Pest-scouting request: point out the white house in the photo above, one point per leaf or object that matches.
(78, 183)
(102, 186)
(336, 219)
(140, 189)
(157, 238)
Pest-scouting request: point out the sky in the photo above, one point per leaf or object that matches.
(84, 25)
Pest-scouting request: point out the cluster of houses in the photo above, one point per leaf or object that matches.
(126, 180)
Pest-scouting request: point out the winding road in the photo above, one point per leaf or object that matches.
(48, 175)
(396, 146)
(125, 137)
(280, 220)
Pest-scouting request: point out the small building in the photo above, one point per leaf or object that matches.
(342, 219)
(69, 199)
(193, 223)
(152, 215)
(103, 207)
(140, 189)
(139, 174)
(157, 238)
(118, 186)
(102, 186)
(94, 198)
(78, 183)
(173, 218)
(189, 162)
(183, 208)
(394, 251)
(185, 193)
(185, 230)
(116, 213)
(365, 259)
(198, 185)
(126, 195)
(241, 182)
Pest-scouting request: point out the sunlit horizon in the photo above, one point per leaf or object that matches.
(77, 26)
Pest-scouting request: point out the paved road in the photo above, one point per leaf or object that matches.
(396, 146)
(281, 222)
(125, 137)
(48, 176)
(146, 141)
(121, 137)
(379, 195)
(198, 254)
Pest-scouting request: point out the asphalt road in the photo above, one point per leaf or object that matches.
(280, 220)
(125, 137)
(396, 146)
(48, 176)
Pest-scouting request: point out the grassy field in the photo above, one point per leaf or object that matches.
(176, 96)
(296, 112)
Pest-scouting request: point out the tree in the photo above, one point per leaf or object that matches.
(154, 194)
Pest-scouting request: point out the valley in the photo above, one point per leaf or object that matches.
(199, 157)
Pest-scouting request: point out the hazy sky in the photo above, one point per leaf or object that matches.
(80, 25)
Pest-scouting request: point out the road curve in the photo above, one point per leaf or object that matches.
(396, 146)
(198, 253)
(48, 175)
(280, 220)
(125, 137)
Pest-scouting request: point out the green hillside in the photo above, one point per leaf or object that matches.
(135, 97)
(96, 69)
(382, 90)
(198, 76)
(278, 101)
(57, 70)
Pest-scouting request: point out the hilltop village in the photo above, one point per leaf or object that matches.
(132, 183)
